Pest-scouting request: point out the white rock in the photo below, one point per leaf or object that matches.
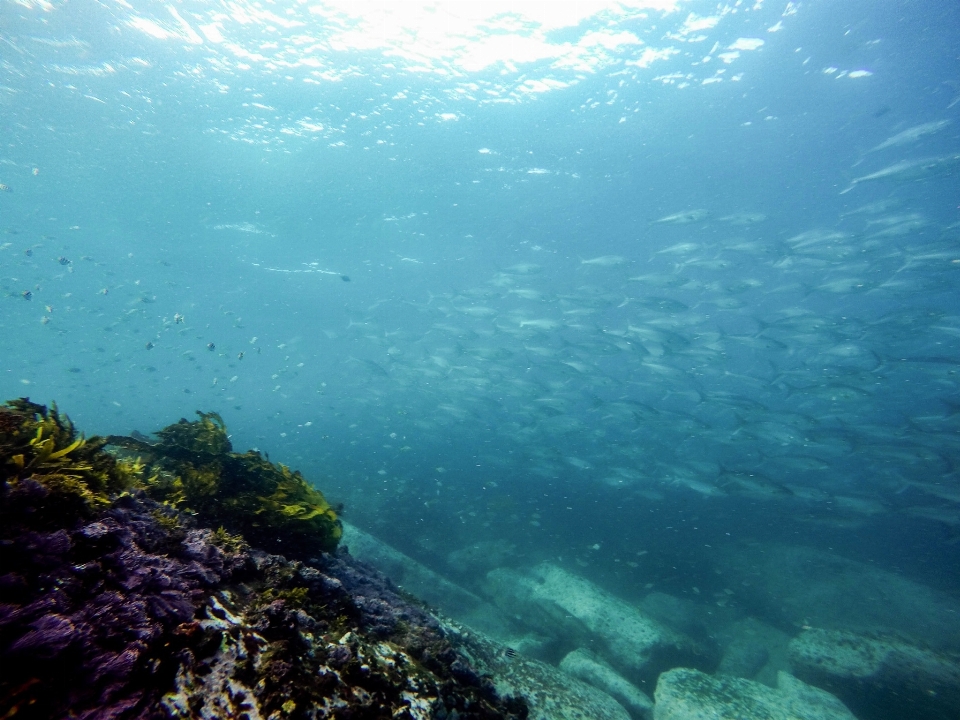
(559, 602)
(684, 694)
(550, 694)
(582, 665)
(878, 676)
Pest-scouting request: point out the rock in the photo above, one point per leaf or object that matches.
(879, 677)
(479, 557)
(485, 636)
(685, 694)
(419, 580)
(753, 650)
(744, 658)
(582, 665)
(549, 693)
(826, 590)
(560, 603)
(684, 616)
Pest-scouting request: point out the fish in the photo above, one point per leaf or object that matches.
(605, 261)
(911, 135)
(524, 269)
(683, 248)
(909, 170)
(476, 311)
(540, 324)
(744, 218)
(682, 218)
(526, 293)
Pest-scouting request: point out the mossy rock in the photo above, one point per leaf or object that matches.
(192, 467)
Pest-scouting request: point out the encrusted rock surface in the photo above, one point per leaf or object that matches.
(879, 676)
(685, 694)
(127, 617)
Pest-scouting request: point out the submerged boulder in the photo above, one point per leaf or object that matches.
(549, 693)
(434, 589)
(824, 589)
(582, 665)
(558, 602)
(481, 633)
(754, 650)
(878, 676)
(685, 694)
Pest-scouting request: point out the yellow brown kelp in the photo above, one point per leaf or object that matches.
(193, 468)
(40, 445)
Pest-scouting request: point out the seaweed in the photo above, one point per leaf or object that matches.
(39, 445)
(192, 467)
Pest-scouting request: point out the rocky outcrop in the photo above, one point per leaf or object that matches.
(879, 677)
(113, 605)
(685, 694)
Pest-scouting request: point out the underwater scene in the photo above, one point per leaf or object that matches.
(562, 360)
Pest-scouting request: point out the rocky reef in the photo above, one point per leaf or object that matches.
(142, 579)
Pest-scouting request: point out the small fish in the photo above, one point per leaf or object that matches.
(26, 295)
(5, 188)
(149, 345)
(345, 278)
(909, 170)
(44, 320)
(683, 218)
(524, 269)
(63, 260)
(540, 324)
(177, 318)
(605, 261)
(744, 218)
(912, 134)
(104, 291)
(509, 653)
(28, 252)
(211, 347)
(240, 355)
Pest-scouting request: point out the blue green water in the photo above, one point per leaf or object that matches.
(607, 283)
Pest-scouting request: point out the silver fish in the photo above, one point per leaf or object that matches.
(911, 135)
(683, 218)
(907, 170)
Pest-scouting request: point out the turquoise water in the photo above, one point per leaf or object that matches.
(643, 291)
